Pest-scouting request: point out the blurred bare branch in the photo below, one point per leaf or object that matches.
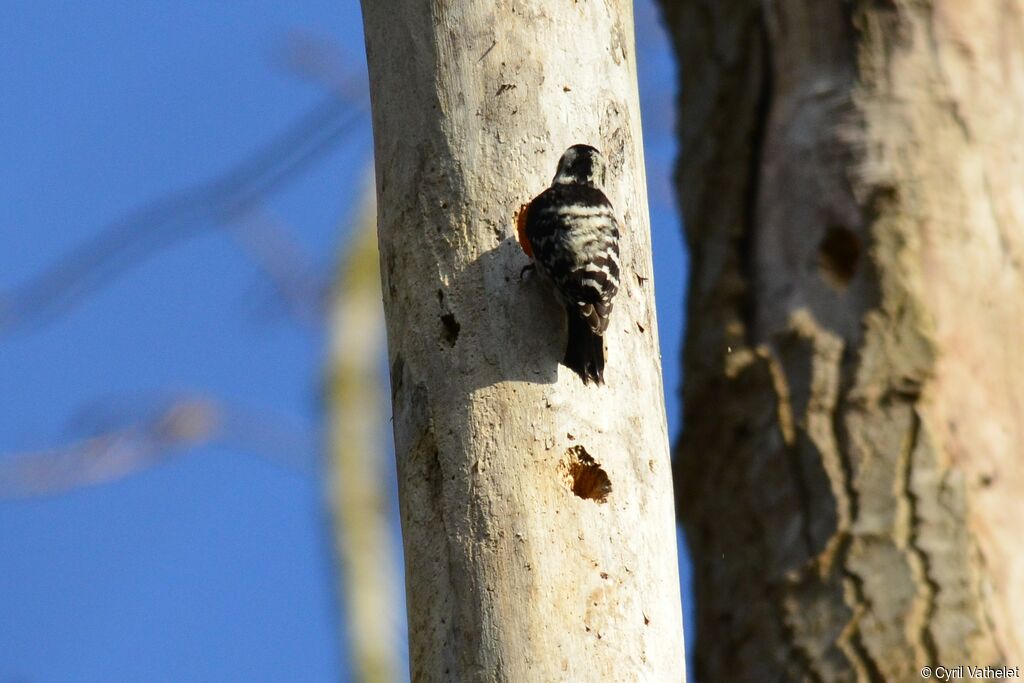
(147, 435)
(359, 486)
(129, 241)
(296, 279)
(319, 60)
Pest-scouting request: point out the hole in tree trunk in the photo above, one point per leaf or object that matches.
(839, 256)
(585, 476)
(450, 329)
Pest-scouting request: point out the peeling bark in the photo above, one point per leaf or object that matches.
(537, 512)
(851, 467)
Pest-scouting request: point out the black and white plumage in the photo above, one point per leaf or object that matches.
(572, 235)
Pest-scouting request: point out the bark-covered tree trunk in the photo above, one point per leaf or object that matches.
(852, 467)
(537, 512)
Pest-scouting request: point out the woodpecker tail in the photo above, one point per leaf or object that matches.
(584, 353)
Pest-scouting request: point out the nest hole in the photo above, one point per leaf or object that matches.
(585, 477)
(839, 256)
(450, 329)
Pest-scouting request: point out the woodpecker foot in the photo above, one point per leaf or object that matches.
(528, 268)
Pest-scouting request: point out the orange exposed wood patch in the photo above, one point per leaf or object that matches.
(524, 242)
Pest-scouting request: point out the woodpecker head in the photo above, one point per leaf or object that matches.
(580, 165)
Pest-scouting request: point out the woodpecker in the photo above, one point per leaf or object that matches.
(570, 232)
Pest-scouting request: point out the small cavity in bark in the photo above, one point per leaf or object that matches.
(450, 329)
(584, 475)
(838, 256)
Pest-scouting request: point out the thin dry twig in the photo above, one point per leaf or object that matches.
(146, 437)
(296, 279)
(129, 241)
(320, 60)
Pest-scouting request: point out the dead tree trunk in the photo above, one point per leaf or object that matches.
(537, 512)
(852, 464)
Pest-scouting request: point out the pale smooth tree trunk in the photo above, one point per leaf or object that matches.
(537, 512)
(852, 468)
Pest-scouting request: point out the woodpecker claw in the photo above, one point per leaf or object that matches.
(522, 273)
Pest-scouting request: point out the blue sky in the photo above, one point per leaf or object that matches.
(215, 565)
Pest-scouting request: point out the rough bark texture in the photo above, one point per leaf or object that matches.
(851, 469)
(537, 512)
